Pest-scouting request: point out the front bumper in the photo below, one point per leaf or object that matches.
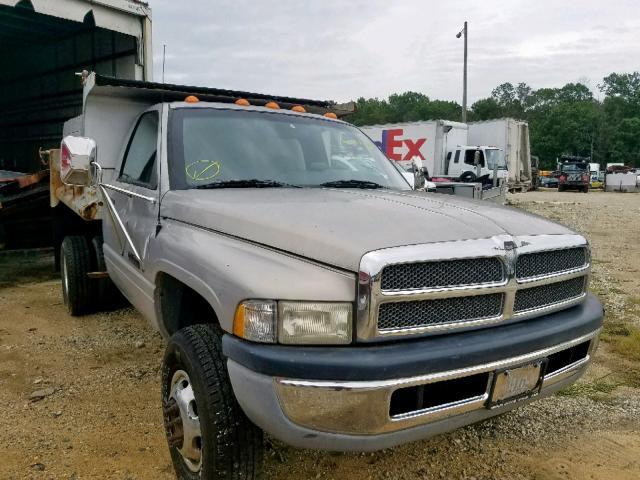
(345, 405)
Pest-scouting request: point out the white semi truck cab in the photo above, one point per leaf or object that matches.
(478, 160)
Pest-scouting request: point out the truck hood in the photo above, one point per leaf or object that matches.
(338, 226)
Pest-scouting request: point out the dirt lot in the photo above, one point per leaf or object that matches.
(101, 418)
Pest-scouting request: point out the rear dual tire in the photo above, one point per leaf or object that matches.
(81, 294)
(75, 264)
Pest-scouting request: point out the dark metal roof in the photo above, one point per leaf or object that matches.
(21, 26)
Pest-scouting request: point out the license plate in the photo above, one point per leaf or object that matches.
(516, 383)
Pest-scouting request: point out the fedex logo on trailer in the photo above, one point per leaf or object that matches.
(392, 145)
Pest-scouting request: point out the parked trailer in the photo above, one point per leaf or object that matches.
(512, 136)
(428, 140)
(623, 181)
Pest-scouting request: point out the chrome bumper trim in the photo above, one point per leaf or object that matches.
(362, 407)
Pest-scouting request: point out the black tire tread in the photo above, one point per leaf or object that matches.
(239, 445)
(76, 250)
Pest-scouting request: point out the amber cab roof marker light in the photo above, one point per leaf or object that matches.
(273, 105)
(192, 99)
(299, 109)
(243, 102)
(330, 115)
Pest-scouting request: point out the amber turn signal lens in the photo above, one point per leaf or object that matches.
(238, 321)
(273, 105)
(242, 102)
(298, 108)
(330, 115)
(192, 99)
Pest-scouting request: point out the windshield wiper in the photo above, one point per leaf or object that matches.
(252, 183)
(352, 184)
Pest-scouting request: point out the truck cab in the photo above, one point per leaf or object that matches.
(477, 161)
(573, 174)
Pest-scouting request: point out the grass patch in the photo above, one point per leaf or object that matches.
(615, 328)
(628, 345)
(600, 262)
(592, 390)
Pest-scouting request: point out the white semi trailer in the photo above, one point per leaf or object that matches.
(442, 146)
(511, 136)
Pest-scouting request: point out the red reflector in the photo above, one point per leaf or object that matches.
(65, 157)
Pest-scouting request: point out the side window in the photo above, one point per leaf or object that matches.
(456, 159)
(448, 156)
(469, 157)
(139, 166)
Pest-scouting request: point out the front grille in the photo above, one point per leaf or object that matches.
(449, 273)
(549, 294)
(538, 264)
(424, 313)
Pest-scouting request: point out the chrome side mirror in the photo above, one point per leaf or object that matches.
(419, 179)
(76, 156)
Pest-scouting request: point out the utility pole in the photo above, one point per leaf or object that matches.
(164, 55)
(464, 32)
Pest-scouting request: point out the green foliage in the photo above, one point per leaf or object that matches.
(404, 107)
(566, 120)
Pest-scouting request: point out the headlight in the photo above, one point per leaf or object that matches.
(294, 322)
(314, 323)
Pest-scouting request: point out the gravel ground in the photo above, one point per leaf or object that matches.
(81, 395)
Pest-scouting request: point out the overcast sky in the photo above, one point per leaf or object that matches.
(342, 50)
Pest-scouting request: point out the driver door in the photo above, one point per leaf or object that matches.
(134, 195)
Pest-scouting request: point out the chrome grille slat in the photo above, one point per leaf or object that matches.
(420, 313)
(538, 264)
(549, 294)
(440, 274)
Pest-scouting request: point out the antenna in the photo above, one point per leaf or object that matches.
(164, 55)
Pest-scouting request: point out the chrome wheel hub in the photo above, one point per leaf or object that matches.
(182, 421)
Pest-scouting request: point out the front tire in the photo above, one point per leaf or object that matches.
(75, 264)
(208, 434)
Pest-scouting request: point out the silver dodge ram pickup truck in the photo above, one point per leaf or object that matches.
(305, 289)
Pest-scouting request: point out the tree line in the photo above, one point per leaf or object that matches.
(568, 120)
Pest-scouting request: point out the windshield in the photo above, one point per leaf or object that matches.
(495, 156)
(574, 167)
(222, 147)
